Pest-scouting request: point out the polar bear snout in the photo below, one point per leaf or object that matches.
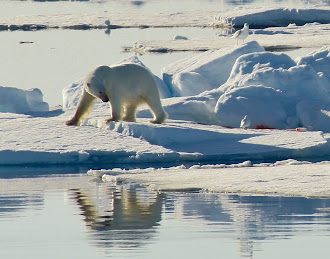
(104, 99)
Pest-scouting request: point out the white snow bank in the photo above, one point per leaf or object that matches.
(274, 92)
(71, 93)
(320, 61)
(205, 71)
(286, 177)
(22, 101)
(271, 89)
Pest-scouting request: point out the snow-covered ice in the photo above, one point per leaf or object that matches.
(206, 96)
(257, 76)
(311, 35)
(275, 92)
(289, 177)
(272, 89)
(256, 17)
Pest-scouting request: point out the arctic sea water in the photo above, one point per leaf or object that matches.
(74, 216)
(63, 213)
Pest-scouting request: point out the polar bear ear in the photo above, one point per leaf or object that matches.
(88, 85)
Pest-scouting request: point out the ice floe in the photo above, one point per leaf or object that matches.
(256, 17)
(288, 178)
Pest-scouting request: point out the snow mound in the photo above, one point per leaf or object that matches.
(16, 100)
(274, 92)
(320, 61)
(205, 71)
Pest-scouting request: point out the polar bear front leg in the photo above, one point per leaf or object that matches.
(130, 111)
(116, 107)
(85, 104)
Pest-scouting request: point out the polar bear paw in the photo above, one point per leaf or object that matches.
(72, 122)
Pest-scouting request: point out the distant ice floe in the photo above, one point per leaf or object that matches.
(256, 17)
(278, 16)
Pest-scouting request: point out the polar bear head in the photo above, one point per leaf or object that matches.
(95, 86)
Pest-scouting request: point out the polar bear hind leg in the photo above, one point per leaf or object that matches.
(156, 107)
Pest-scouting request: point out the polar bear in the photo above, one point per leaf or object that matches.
(125, 86)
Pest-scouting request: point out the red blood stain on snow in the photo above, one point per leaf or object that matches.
(261, 126)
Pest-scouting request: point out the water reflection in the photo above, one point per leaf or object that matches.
(11, 204)
(115, 220)
(130, 217)
(121, 215)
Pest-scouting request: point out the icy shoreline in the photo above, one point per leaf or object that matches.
(237, 17)
(313, 35)
(290, 178)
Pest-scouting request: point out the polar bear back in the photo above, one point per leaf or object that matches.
(132, 81)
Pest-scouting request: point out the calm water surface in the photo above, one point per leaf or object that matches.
(74, 216)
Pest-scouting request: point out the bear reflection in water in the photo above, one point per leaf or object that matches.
(121, 207)
(128, 216)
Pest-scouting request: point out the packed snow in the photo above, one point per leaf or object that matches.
(234, 104)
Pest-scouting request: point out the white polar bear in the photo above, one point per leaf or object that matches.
(125, 86)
